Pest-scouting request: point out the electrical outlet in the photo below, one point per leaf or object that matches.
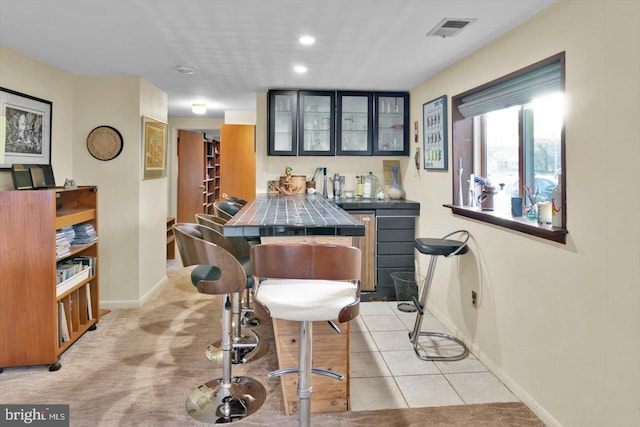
(474, 299)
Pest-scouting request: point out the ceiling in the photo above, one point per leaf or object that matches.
(240, 47)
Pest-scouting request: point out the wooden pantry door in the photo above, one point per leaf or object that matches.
(191, 164)
(238, 161)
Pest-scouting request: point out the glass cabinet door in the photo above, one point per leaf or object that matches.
(317, 123)
(391, 124)
(283, 123)
(355, 124)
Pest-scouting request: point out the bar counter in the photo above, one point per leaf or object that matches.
(304, 218)
(295, 215)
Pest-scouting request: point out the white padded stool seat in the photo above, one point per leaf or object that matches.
(306, 299)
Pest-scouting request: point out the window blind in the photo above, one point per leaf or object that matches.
(516, 91)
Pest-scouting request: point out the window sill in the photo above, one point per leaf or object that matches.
(521, 224)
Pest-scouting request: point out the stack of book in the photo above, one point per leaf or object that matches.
(89, 261)
(63, 243)
(85, 234)
(67, 271)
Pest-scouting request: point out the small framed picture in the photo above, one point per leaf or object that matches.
(154, 138)
(434, 125)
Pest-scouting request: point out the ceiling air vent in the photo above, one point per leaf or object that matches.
(450, 27)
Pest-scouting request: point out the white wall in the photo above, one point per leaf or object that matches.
(26, 75)
(131, 215)
(113, 102)
(560, 324)
(153, 196)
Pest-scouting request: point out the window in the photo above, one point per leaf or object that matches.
(511, 132)
(528, 135)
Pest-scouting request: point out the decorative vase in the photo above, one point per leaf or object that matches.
(395, 190)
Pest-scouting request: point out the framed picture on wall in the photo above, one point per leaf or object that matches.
(154, 141)
(25, 129)
(434, 125)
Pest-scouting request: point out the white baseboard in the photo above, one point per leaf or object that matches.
(110, 305)
(512, 385)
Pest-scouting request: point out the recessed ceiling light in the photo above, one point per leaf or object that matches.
(199, 108)
(307, 40)
(300, 69)
(185, 69)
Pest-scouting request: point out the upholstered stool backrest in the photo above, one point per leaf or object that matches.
(196, 249)
(238, 246)
(309, 261)
(226, 209)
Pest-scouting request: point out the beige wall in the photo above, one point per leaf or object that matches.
(26, 75)
(560, 324)
(132, 229)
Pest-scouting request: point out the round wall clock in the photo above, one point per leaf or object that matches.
(104, 143)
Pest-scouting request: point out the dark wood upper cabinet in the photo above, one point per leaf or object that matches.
(343, 123)
(316, 128)
(283, 123)
(391, 124)
(354, 124)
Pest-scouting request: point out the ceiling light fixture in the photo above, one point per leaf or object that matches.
(199, 108)
(300, 69)
(307, 40)
(185, 69)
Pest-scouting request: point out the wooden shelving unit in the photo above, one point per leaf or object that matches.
(171, 246)
(211, 182)
(30, 327)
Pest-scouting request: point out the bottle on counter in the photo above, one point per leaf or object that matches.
(359, 186)
(556, 204)
(368, 190)
(325, 190)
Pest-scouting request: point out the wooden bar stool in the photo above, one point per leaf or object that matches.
(246, 343)
(225, 399)
(307, 282)
(436, 247)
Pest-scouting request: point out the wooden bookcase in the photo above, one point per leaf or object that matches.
(30, 331)
(211, 183)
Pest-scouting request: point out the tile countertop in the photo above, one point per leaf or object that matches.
(295, 215)
(364, 204)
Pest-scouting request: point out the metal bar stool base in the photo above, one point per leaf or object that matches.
(244, 349)
(215, 403)
(422, 354)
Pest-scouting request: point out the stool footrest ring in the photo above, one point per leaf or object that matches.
(325, 372)
(425, 356)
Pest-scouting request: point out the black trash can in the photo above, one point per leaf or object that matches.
(406, 289)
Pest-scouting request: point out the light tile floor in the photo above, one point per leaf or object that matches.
(386, 374)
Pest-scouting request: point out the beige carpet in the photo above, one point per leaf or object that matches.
(139, 366)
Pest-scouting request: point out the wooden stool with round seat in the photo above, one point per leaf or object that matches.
(306, 282)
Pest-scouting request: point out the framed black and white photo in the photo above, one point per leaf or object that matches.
(25, 129)
(434, 125)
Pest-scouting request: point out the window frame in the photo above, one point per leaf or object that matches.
(463, 151)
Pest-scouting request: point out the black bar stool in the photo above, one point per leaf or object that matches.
(436, 247)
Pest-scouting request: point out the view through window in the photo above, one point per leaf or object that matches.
(528, 135)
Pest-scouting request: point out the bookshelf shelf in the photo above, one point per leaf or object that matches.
(36, 324)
